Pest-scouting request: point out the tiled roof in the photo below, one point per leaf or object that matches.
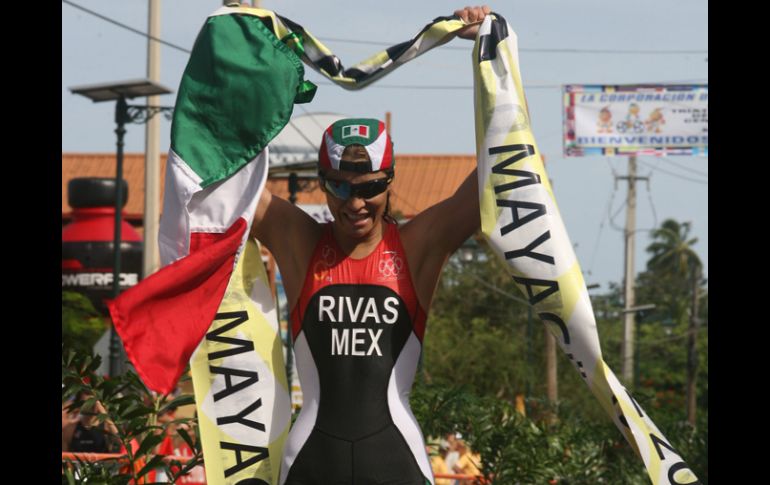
(421, 180)
(75, 165)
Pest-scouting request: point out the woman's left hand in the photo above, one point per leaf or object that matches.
(474, 16)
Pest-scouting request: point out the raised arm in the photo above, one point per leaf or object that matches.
(435, 233)
(290, 234)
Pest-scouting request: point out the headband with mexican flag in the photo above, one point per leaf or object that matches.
(367, 132)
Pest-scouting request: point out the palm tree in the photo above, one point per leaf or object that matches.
(671, 251)
(672, 257)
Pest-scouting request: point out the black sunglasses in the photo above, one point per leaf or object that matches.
(365, 190)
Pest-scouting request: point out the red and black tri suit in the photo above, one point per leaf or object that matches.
(357, 330)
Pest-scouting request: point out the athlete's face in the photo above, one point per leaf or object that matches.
(356, 217)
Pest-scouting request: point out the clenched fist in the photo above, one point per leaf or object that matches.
(474, 16)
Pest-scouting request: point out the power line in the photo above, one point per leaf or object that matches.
(665, 339)
(304, 137)
(498, 290)
(127, 27)
(612, 217)
(527, 86)
(615, 51)
(686, 169)
(407, 86)
(652, 204)
(623, 206)
(312, 117)
(119, 24)
(315, 122)
(384, 86)
(674, 174)
(599, 234)
(539, 50)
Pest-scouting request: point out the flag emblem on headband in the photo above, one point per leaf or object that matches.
(355, 130)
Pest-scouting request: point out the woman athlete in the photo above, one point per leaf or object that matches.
(359, 289)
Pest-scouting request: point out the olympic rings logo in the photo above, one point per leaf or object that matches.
(391, 267)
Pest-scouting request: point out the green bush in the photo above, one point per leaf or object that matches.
(557, 444)
(134, 410)
(81, 323)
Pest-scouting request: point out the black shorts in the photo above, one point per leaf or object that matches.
(378, 459)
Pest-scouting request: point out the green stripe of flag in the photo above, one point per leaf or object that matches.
(237, 93)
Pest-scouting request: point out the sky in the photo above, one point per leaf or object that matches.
(431, 98)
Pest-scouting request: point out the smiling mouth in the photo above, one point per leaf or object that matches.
(356, 218)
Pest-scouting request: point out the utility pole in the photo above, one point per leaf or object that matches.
(692, 351)
(640, 308)
(551, 375)
(150, 254)
(530, 352)
(552, 383)
(627, 355)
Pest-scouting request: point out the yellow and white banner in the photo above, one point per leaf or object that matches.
(239, 378)
(521, 221)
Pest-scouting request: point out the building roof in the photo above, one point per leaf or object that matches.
(421, 180)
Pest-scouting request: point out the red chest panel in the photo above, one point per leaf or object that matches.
(385, 266)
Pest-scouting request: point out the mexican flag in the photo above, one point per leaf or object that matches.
(210, 304)
(226, 112)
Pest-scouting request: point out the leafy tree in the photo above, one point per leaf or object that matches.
(476, 332)
(81, 324)
(668, 284)
(475, 363)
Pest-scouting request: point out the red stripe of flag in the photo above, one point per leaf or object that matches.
(163, 319)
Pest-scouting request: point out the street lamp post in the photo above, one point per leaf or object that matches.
(124, 113)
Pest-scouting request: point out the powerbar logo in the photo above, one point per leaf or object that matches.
(97, 279)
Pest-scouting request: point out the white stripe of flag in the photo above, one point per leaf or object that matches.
(355, 130)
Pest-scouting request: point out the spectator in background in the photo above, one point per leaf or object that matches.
(438, 463)
(83, 431)
(452, 454)
(174, 445)
(468, 464)
(69, 421)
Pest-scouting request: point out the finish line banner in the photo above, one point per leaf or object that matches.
(521, 221)
(665, 119)
(239, 379)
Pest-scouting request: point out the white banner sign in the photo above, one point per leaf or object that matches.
(628, 120)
